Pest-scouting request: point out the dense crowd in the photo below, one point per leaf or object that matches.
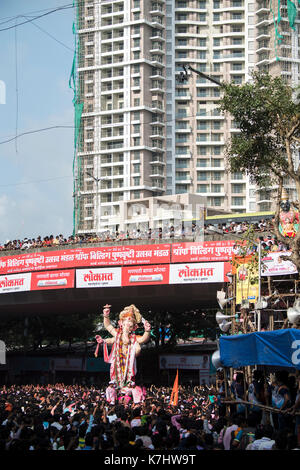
(191, 230)
(238, 228)
(61, 417)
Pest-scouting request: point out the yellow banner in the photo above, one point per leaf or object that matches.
(246, 283)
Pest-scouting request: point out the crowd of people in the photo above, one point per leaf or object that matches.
(238, 228)
(189, 230)
(77, 417)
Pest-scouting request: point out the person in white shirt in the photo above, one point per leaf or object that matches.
(263, 440)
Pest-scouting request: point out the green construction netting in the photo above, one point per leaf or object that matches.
(74, 84)
(292, 15)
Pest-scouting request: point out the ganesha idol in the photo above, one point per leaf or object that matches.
(288, 217)
(126, 345)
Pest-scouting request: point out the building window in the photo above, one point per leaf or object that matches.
(202, 150)
(237, 188)
(202, 163)
(216, 162)
(237, 201)
(202, 188)
(217, 188)
(237, 175)
(216, 201)
(202, 176)
(202, 125)
(201, 55)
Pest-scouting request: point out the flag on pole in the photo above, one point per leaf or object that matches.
(174, 394)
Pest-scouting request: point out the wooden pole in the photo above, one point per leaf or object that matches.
(245, 390)
(263, 407)
(226, 390)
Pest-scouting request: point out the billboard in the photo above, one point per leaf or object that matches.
(81, 257)
(145, 275)
(175, 361)
(203, 251)
(247, 285)
(196, 273)
(15, 283)
(53, 280)
(37, 281)
(274, 265)
(99, 277)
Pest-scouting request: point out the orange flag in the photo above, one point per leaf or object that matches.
(174, 394)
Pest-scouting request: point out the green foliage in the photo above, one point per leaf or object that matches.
(266, 113)
(182, 325)
(47, 330)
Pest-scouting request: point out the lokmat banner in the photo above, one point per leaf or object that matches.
(81, 257)
(53, 280)
(37, 281)
(196, 273)
(15, 283)
(202, 251)
(274, 265)
(106, 277)
(145, 275)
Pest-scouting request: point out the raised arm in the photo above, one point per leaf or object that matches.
(146, 336)
(106, 321)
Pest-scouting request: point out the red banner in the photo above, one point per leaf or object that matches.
(81, 257)
(202, 251)
(53, 280)
(145, 275)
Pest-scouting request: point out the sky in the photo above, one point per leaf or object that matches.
(36, 182)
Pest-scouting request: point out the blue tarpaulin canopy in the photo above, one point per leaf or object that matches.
(272, 348)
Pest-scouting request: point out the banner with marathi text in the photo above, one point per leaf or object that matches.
(246, 280)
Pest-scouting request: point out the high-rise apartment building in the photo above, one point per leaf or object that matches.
(143, 133)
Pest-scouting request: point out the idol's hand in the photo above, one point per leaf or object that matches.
(106, 310)
(147, 326)
(99, 339)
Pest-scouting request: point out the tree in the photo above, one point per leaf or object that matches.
(48, 330)
(267, 113)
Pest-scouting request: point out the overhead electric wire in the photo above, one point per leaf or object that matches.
(50, 35)
(164, 121)
(36, 17)
(34, 132)
(35, 181)
(35, 12)
(17, 90)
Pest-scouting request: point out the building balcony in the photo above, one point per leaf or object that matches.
(157, 37)
(184, 155)
(156, 161)
(157, 135)
(183, 97)
(157, 175)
